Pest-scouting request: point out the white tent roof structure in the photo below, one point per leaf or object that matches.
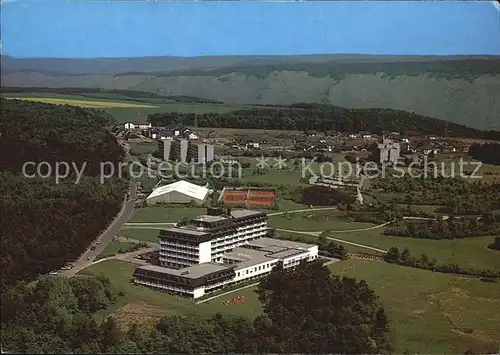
(181, 186)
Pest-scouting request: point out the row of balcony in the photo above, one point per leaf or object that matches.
(181, 256)
(162, 286)
(168, 248)
(179, 245)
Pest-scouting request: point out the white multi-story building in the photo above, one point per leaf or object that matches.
(219, 249)
(206, 238)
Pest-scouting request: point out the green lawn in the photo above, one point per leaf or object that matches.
(157, 214)
(116, 246)
(143, 149)
(154, 303)
(466, 252)
(289, 175)
(315, 221)
(309, 239)
(432, 312)
(147, 235)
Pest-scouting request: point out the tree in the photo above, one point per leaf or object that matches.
(392, 255)
(110, 333)
(308, 310)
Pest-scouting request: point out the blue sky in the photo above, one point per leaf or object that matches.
(135, 29)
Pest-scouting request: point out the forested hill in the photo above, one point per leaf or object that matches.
(323, 118)
(460, 89)
(45, 224)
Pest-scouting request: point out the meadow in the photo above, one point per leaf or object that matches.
(466, 252)
(146, 235)
(115, 247)
(432, 312)
(316, 221)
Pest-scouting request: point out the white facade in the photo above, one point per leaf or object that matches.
(247, 264)
(130, 125)
(216, 250)
(186, 254)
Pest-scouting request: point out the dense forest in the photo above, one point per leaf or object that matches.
(36, 132)
(46, 224)
(487, 153)
(324, 118)
(307, 310)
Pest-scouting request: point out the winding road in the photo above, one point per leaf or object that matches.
(89, 255)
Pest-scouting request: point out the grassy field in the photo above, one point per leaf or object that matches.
(304, 238)
(143, 148)
(165, 214)
(466, 252)
(432, 312)
(114, 247)
(315, 221)
(146, 235)
(142, 303)
(83, 102)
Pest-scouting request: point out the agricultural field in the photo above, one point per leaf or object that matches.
(316, 221)
(124, 108)
(432, 312)
(98, 104)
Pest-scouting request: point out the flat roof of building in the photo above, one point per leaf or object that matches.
(269, 250)
(246, 257)
(191, 272)
(270, 242)
(288, 253)
(234, 214)
(186, 230)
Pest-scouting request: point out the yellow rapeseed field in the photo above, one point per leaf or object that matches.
(81, 103)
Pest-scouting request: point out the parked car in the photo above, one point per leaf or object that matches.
(98, 242)
(53, 273)
(93, 247)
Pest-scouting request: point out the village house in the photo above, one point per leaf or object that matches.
(141, 125)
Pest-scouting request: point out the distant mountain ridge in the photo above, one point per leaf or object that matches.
(461, 89)
(113, 66)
